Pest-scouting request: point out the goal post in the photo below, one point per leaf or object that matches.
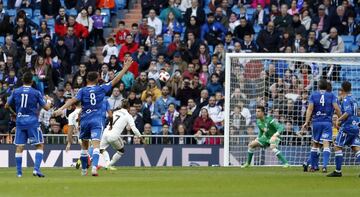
(282, 82)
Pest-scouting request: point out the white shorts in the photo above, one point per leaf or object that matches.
(115, 142)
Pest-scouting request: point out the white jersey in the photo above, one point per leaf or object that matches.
(121, 118)
(72, 119)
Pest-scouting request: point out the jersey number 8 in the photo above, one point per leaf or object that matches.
(92, 99)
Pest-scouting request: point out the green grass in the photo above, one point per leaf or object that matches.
(184, 182)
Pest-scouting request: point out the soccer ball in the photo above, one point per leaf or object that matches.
(164, 76)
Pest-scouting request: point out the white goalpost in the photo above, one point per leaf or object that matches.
(282, 82)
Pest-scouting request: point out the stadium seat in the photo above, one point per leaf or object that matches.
(120, 4)
(36, 20)
(348, 39)
(51, 22)
(235, 9)
(354, 48)
(11, 12)
(106, 14)
(257, 29)
(71, 12)
(36, 13)
(156, 122)
(250, 11)
(2, 40)
(62, 3)
(167, 39)
(29, 12)
(5, 3)
(211, 49)
(156, 129)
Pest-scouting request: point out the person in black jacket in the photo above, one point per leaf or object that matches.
(200, 13)
(268, 39)
(6, 26)
(243, 28)
(50, 8)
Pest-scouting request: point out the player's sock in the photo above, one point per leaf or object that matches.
(115, 158)
(278, 154)
(95, 156)
(91, 151)
(313, 155)
(357, 155)
(250, 155)
(308, 162)
(106, 157)
(84, 159)
(18, 158)
(326, 157)
(338, 160)
(38, 159)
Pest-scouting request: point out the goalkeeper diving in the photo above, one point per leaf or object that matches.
(269, 136)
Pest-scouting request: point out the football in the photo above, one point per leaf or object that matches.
(164, 76)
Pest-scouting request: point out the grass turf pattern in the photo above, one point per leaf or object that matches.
(177, 181)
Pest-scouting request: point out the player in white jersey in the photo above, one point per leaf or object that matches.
(112, 134)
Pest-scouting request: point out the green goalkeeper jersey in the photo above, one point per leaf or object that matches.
(268, 127)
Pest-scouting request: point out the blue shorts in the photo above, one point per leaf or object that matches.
(346, 139)
(322, 131)
(91, 129)
(31, 133)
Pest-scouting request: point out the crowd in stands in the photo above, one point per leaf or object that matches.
(188, 40)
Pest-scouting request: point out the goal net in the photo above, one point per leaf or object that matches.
(282, 83)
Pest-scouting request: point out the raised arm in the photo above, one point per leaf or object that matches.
(125, 68)
(68, 103)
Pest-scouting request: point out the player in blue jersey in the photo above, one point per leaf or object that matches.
(91, 121)
(27, 101)
(349, 130)
(321, 107)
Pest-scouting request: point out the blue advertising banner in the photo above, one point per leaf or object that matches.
(135, 155)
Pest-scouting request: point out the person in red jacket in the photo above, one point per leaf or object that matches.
(80, 30)
(129, 47)
(134, 67)
(203, 123)
(121, 34)
(61, 23)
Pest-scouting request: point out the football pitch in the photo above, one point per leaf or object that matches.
(177, 181)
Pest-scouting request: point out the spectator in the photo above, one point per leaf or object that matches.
(4, 117)
(44, 73)
(144, 111)
(293, 8)
(259, 16)
(147, 131)
(193, 26)
(80, 31)
(195, 11)
(186, 92)
(183, 119)
(339, 21)
(109, 50)
(45, 115)
(140, 84)
(322, 20)
(243, 28)
(203, 122)
(306, 19)
(248, 45)
(213, 140)
(29, 58)
(192, 44)
(114, 63)
(121, 34)
(115, 99)
(73, 44)
(162, 103)
(173, 9)
(50, 8)
(5, 24)
(170, 115)
(283, 21)
(128, 79)
(171, 25)
(214, 85)
(296, 27)
(181, 131)
(9, 47)
(221, 17)
(155, 22)
(151, 90)
(129, 47)
(85, 20)
(165, 132)
(82, 72)
(332, 42)
(215, 111)
(61, 23)
(212, 32)
(21, 30)
(98, 33)
(139, 122)
(141, 58)
(268, 39)
(109, 4)
(86, 3)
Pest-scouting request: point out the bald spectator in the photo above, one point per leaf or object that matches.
(332, 42)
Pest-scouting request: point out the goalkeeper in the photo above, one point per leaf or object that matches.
(269, 136)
